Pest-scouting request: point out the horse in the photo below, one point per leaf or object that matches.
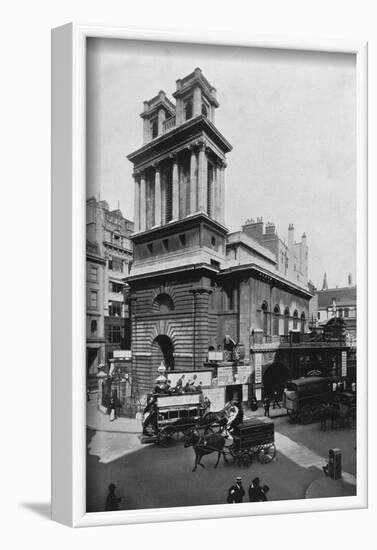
(219, 417)
(328, 412)
(204, 446)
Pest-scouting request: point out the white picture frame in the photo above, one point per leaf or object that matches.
(68, 277)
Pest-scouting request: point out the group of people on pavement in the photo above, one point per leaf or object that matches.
(257, 492)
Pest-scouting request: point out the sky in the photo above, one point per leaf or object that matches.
(290, 117)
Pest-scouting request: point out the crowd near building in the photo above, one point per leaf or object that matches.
(231, 306)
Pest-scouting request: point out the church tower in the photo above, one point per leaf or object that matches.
(179, 179)
(179, 240)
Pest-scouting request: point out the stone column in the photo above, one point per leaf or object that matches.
(217, 191)
(175, 188)
(212, 188)
(143, 203)
(157, 196)
(193, 181)
(137, 203)
(202, 178)
(222, 193)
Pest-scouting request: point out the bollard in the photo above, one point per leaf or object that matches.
(335, 463)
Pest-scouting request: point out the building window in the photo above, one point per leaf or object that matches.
(346, 312)
(116, 264)
(188, 109)
(93, 274)
(115, 309)
(265, 318)
(115, 335)
(276, 321)
(295, 319)
(302, 323)
(182, 239)
(163, 303)
(286, 321)
(93, 299)
(116, 287)
(229, 300)
(154, 128)
(93, 328)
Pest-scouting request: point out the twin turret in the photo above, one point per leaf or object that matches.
(194, 97)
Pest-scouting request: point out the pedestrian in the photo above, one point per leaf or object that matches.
(266, 405)
(256, 492)
(112, 501)
(112, 409)
(276, 400)
(253, 403)
(324, 415)
(236, 492)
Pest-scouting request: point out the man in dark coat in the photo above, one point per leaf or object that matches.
(276, 400)
(236, 492)
(112, 501)
(256, 492)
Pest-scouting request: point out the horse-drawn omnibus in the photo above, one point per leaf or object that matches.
(166, 416)
(304, 398)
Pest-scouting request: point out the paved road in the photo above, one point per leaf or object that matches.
(149, 476)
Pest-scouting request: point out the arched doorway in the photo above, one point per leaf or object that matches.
(162, 350)
(275, 378)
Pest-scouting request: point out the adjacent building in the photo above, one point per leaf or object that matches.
(329, 303)
(108, 257)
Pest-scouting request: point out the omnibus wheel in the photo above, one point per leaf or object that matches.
(267, 453)
(166, 437)
(244, 460)
(306, 415)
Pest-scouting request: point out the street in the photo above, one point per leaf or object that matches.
(150, 476)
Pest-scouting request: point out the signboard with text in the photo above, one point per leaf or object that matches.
(225, 376)
(122, 354)
(258, 368)
(344, 364)
(243, 374)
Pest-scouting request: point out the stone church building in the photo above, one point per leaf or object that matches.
(192, 282)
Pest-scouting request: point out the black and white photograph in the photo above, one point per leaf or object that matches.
(221, 275)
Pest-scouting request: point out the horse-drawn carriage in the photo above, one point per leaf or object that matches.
(166, 417)
(252, 438)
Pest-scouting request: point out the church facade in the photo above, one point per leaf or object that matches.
(192, 283)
